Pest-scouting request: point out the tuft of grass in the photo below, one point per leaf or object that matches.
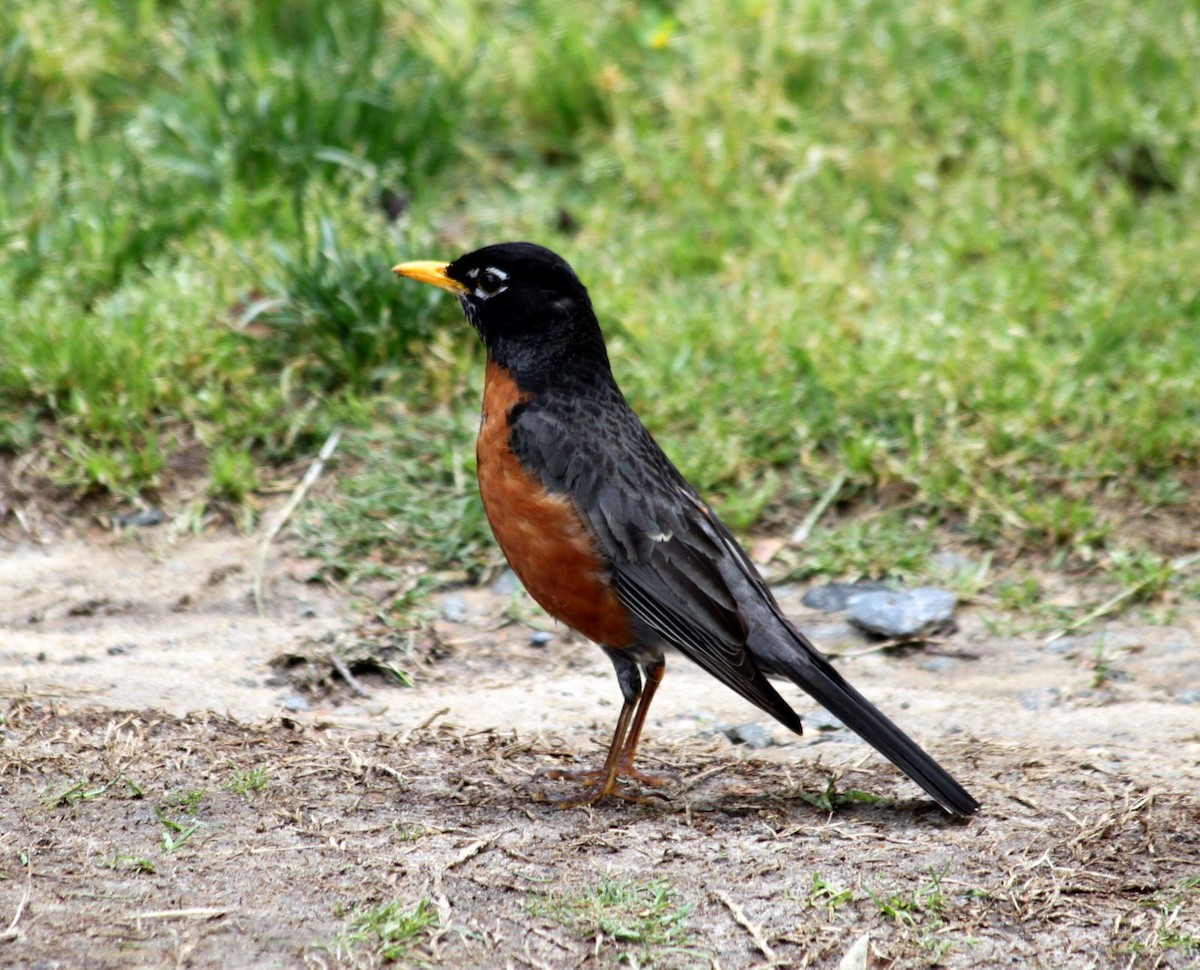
(333, 314)
(389, 931)
(1171, 930)
(831, 798)
(188, 801)
(823, 895)
(124, 860)
(247, 781)
(1020, 593)
(891, 543)
(175, 834)
(74, 792)
(642, 914)
(233, 475)
(925, 905)
(1102, 669)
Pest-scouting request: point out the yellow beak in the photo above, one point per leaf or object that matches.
(428, 271)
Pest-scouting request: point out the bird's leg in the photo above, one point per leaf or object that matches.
(621, 751)
(654, 676)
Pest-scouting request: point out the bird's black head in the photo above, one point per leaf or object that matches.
(527, 304)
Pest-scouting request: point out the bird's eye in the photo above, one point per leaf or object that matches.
(490, 282)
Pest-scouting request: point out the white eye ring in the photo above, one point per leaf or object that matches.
(490, 282)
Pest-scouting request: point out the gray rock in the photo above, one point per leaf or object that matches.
(1063, 645)
(752, 735)
(295, 703)
(822, 720)
(505, 584)
(540, 638)
(454, 609)
(902, 614)
(1188, 697)
(142, 518)
(1039, 698)
(837, 596)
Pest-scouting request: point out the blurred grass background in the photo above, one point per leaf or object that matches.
(947, 249)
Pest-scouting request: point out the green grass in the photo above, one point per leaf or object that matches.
(410, 485)
(247, 781)
(927, 901)
(919, 912)
(1173, 927)
(944, 250)
(823, 895)
(175, 835)
(127, 861)
(187, 801)
(388, 930)
(72, 793)
(645, 915)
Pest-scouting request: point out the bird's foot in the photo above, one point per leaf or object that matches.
(603, 784)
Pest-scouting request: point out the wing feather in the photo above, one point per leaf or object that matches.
(659, 540)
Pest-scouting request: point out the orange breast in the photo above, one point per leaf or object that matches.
(542, 534)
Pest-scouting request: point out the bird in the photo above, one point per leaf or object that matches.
(610, 539)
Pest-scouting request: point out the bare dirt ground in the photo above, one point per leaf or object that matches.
(171, 798)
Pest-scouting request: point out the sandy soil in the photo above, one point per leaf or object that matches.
(140, 696)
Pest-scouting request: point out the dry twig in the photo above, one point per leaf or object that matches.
(202, 912)
(293, 503)
(804, 529)
(1110, 604)
(11, 932)
(341, 667)
(742, 920)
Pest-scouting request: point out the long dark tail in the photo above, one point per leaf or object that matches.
(810, 671)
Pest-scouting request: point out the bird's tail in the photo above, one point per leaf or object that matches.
(810, 671)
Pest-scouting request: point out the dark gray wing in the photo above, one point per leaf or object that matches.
(668, 554)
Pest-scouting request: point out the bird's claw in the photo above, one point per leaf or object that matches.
(598, 779)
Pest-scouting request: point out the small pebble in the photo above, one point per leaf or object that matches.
(902, 614)
(142, 518)
(752, 735)
(1039, 698)
(119, 648)
(822, 720)
(505, 584)
(1062, 646)
(295, 703)
(1188, 697)
(454, 609)
(540, 638)
(308, 612)
(936, 665)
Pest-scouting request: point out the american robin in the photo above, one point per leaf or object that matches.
(607, 535)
